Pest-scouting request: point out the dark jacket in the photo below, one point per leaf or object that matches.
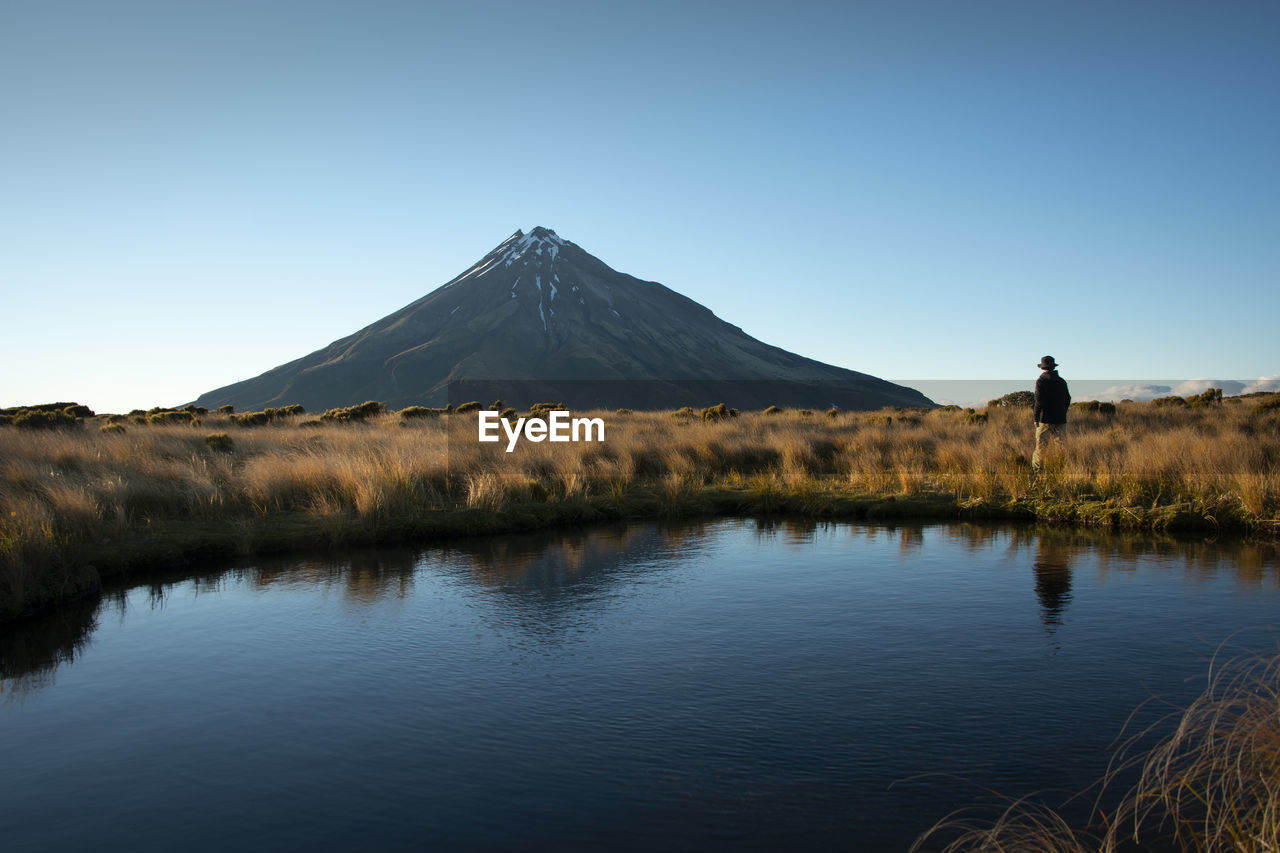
(1052, 398)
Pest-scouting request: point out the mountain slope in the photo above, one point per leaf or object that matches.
(543, 319)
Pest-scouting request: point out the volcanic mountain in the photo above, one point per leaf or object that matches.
(538, 319)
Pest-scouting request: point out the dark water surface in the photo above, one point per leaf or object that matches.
(736, 685)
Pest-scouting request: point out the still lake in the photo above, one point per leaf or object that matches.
(735, 684)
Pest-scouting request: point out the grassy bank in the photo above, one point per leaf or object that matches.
(97, 498)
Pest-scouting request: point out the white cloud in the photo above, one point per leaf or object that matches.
(1143, 391)
(1140, 392)
(1264, 383)
(1190, 387)
(976, 393)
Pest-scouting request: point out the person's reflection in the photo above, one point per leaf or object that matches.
(1053, 580)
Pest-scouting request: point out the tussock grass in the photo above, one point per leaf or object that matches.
(1210, 785)
(1022, 827)
(1214, 783)
(71, 500)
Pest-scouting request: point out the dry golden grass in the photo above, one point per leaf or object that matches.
(1214, 783)
(1211, 785)
(1023, 827)
(1144, 466)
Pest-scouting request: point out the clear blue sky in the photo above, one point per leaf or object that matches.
(194, 191)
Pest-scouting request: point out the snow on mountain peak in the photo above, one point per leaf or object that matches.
(540, 241)
(540, 233)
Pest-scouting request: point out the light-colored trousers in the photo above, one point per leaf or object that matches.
(1046, 433)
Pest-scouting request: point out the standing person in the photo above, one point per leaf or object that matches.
(1052, 400)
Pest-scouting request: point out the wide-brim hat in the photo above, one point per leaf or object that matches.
(1047, 363)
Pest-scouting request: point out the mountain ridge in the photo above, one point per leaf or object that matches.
(540, 309)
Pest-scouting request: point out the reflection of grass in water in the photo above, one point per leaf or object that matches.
(30, 657)
(1212, 785)
(76, 499)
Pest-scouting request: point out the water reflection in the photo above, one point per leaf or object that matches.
(797, 533)
(549, 585)
(363, 577)
(31, 654)
(554, 562)
(910, 540)
(549, 580)
(655, 685)
(1254, 564)
(771, 529)
(1052, 568)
